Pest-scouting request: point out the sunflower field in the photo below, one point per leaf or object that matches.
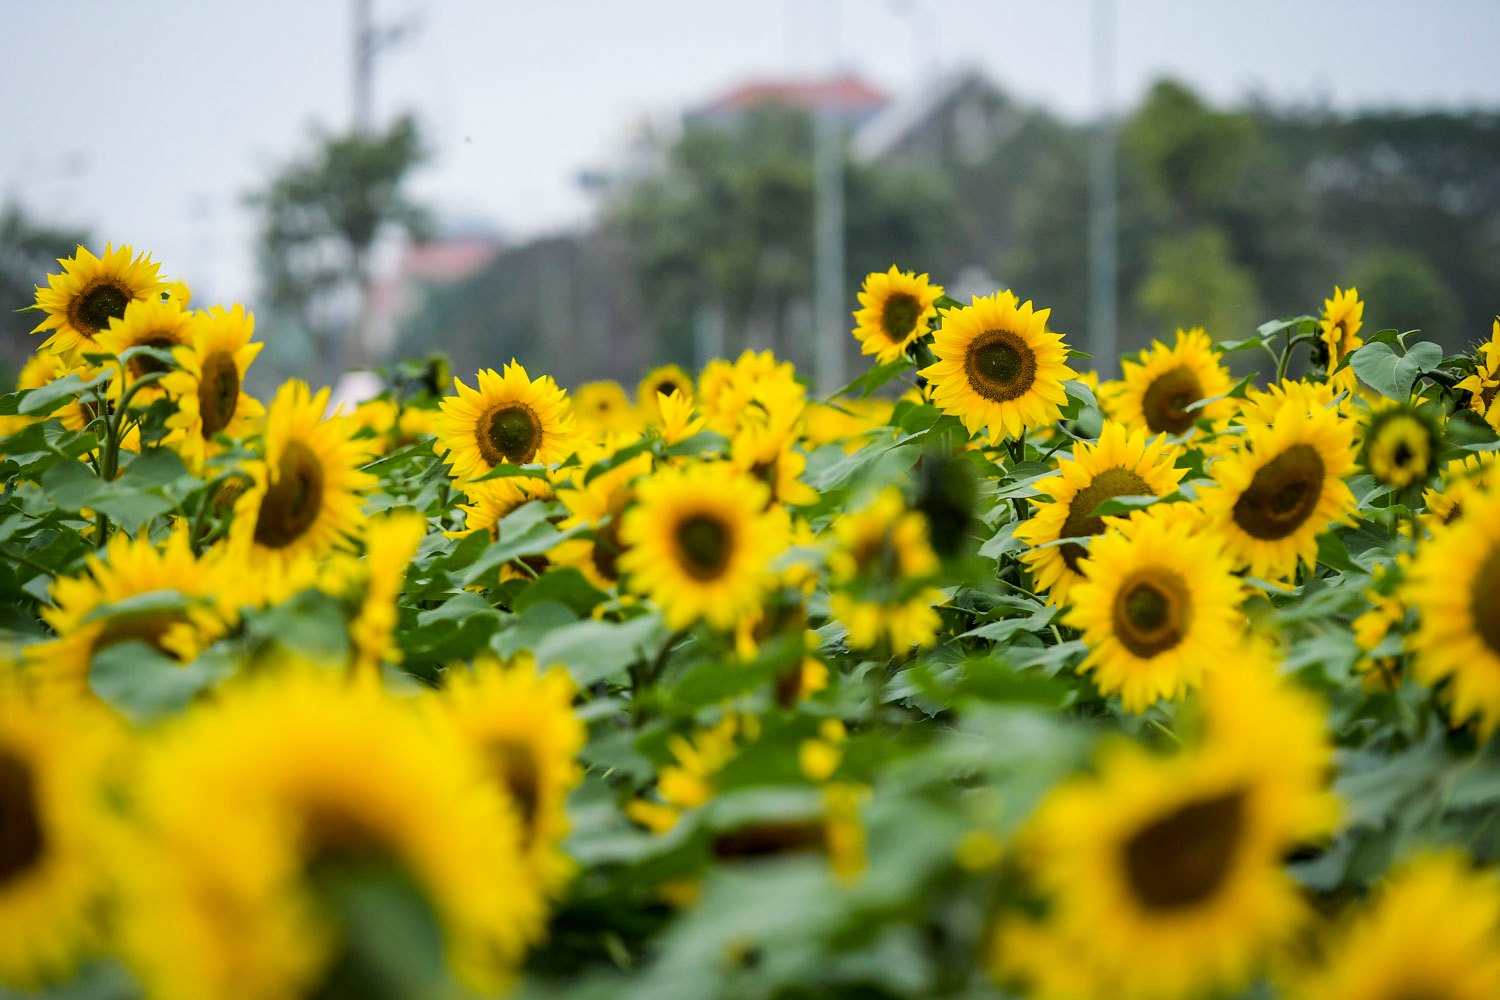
(981, 677)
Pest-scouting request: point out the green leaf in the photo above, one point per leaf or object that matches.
(598, 650)
(143, 684)
(44, 399)
(873, 379)
(1124, 505)
(1391, 374)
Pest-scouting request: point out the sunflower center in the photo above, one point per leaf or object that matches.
(1000, 365)
(333, 835)
(150, 629)
(606, 550)
(1484, 601)
(1403, 455)
(93, 310)
(1111, 483)
(1180, 860)
(899, 317)
(705, 544)
(218, 393)
(1166, 401)
(1283, 494)
(142, 365)
(1152, 612)
(665, 389)
(516, 769)
(21, 837)
(511, 434)
(293, 501)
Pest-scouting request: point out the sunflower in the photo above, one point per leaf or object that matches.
(509, 419)
(728, 390)
(1157, 390)
(762, 447)
(602, 407)
(688, 782)
(1165, 874)
(375, 581)
(849, 423)
(677, 422)
(1401, 444)
(91, 291)
(878, 571)
(521, 723)
(160, 322)
(1484, 383)
(599, 504)
(1120, 463)
(85, 616)
(1159, 604)
(1281, 490)
(1462, 479)
(1455, 587)
(896, 310)
(209, 383)
(495, 498)
(51, 812)
(304, 498)
(1343, 315)
(1433, 930)
(699, 543)
(667, 380)
(44, 368)
(252, 808)
(999, 366)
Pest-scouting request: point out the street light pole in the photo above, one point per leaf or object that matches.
(830, 327)
(1103, 219)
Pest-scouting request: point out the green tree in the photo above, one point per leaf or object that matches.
(1402, 291)
(321, 215)
(29, 251)
(1194, 281)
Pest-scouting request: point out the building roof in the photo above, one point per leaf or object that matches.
(846, 93)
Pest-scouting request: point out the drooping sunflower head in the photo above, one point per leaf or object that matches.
(159, 322)
(90, 292)
(520, 722)
(880, 568)
(1282, 489)
(510, 419)
(1401, 443)
(1455, 587)
(1158, 605)
(1122, 462)
(667, 380)
(1433, 931)
(305, 498)
(896, 308)
(1158, 391)
(999, 367)
(1343, 315)
(600, 505)
(699, 542)
(209, 383)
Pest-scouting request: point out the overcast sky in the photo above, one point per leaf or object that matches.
(145, 121)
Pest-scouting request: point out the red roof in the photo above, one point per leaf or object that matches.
(847, 92)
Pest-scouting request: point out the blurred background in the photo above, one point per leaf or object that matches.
(595, 187)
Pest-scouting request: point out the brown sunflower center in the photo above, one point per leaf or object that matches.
(1180, 860)
(93, 310)
(142, 365)
(665, 388)
(149, 628)
(334, 835)
(1484, 600)
(769, 839)
(1283, 494)
(1111, 483)
(606, 550)
(1000, 365)
(704, 543)
(1166, 401)
(218, 392)
(293, 501)
(515, 767)
(1152, 612)
(899, 317)
(512, 433)
(22, 840)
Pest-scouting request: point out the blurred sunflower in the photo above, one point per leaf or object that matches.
(1121, 463)
(196, 601)
(208, 384)
(1484, 383)
(52, 809)
(999, 366)
(763, 446)
(1157, 391)
(1433, 930)
(727, 390)
(699, 543)
(521, 724)
(1455, 586)
(599, 504)
(375, 582)
(879, 570)
(1401, 442)
(896, 308)
(1338, 330)
(1462, 479)
(510, 419)
(1281, 490)
(688, 782)
(253, 811)
(1158, 605)
(91, 291)
(602, 407)
(304, 498)
(160, 322)
(667, 380)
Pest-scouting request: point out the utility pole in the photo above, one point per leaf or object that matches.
(370, 39)
(1103, 220)
(830, 325)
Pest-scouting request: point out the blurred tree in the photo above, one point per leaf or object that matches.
(29, 251)
(320, 217)
(1193, 281)
(1402, 291)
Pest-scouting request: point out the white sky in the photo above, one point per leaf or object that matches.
(147, 120)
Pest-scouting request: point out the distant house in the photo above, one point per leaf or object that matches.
(446, 260)
(953, 122)
(851, 99)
